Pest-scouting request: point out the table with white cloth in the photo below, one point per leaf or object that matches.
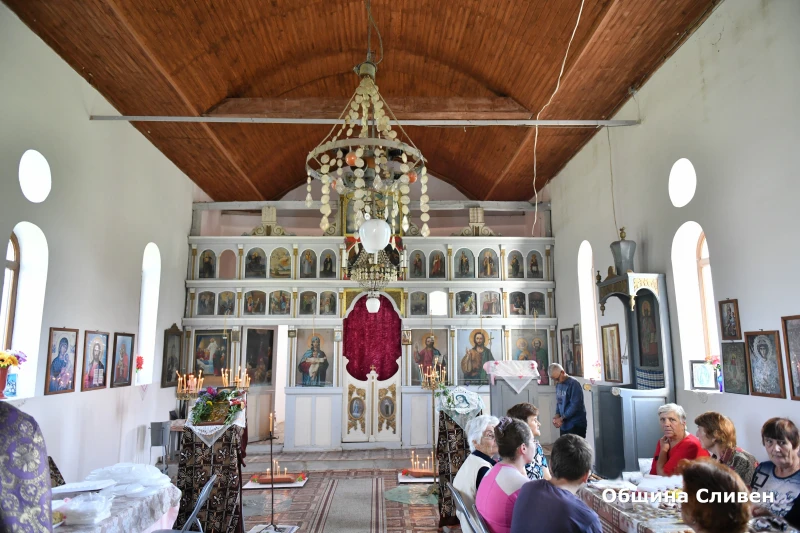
(136, 515)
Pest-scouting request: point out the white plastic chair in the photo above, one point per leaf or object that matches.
(463, 508)
(483, 527)
(201, 501)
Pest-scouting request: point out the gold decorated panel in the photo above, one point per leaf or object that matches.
(384, 417)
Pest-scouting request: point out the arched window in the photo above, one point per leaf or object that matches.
(8, 303)
(588, 300)
(707, 298)
(148, 311)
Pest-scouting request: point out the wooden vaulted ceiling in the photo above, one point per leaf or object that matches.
(186, 57)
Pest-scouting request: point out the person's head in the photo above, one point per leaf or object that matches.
(717, 516)
(556, 371)
(63, 346)
(315, 343)
(528, 413)
(672, 418)
(123, 351)
(479, 339)
(480, 434)
(537, 343)
(763, 349)
(514, 439)
(96, 351)
(571, 459)
(781, 439)
(429, 341)
(522, 344)
(715, 429)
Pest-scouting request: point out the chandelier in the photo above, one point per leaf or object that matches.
(373, 272)
(366, 158)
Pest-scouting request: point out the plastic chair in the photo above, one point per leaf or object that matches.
(483, 527)
(463, 508)
(201, 501)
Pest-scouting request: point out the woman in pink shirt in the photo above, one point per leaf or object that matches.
(499, 489)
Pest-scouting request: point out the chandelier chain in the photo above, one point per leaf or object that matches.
(370, 24)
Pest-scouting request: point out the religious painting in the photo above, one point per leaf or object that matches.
(212, 355)
(465, 303)
(280, 264)
(536, 305)
(61, 361)
(357, 408)
(95, 360)
(791, 339)
(477, 347)
(208, 265)
(122, 359)
(576, 334)
(258, 355)
(488, 267)
(704, 375)
(171, 362)
(729, 320)
(227, 265)
(416, 265)
(734, 368)
(438, 265)
(386, 407)
(531, 345)
(516, 304)
(255, 264)
(327, 265)
(535, 268)
(764, 363)
(612, 354)
(578, 361)
(647, 322)
(428, 348)
(464, 266)
(567, 351)
(255, 303)
(226, 303)
(308, 264)
(419, 303)
(280, 303)
(327, 303)
(314, 358)
(516, 266)
(308, 303)
(206, 302)
(405, 337)
(491, 303)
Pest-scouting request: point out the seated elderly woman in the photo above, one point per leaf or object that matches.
(713, 516)
(781, 474)
(676, 444)
(480, 434)
(529, 413)
(500, 487)
(718, 436)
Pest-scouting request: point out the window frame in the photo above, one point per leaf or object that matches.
(12, 265)
(703, 262)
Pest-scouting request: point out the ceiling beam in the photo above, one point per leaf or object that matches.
(404, 108)
(435, 205)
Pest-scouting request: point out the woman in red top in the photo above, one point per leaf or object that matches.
(676, 444)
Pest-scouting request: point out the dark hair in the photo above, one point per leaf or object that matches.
(719, 428)
(510, 434)
(523, 411)
(716, 516)
(780, 429)
(571, 458)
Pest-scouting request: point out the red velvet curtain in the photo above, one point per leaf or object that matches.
(372, 339)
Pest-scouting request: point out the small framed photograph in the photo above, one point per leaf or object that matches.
(729, 320)
(612, 358)
(121, 359)
(406, 337)
(734, 368)
(95, 360)
(292, 333)
(764, 364)
(337, 335)
(173, 354)
(63, 350)
(704, 376)
(791, 339)
(576, 335)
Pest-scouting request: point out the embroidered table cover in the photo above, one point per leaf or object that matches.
(516, 373)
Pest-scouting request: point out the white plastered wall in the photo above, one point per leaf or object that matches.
(727, 100)
(112, 193)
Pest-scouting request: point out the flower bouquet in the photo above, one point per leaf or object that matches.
(714, 361)
(217, 408)
(9, 358)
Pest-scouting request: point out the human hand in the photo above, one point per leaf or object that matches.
(665, 445)
(557, 421)
(757, 510)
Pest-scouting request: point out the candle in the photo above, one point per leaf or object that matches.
(271, 427)
(285, 471)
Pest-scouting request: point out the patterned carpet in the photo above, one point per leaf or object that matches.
(322, 506)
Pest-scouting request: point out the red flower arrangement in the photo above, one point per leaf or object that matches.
(139, 362)
(301, 478)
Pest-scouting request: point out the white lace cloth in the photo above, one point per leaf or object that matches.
(516, 373)
(464, 405)
(210, 434)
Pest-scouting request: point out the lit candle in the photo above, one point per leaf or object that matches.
(285, 471)
(271, 427)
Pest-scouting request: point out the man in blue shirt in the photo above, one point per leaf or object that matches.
(553, 505)
(570, 411)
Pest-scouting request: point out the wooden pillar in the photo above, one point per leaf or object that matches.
(296, 264)
(191, 303)
(550, 301)
(505, 303)
(452, 308)
(240, 270)
(294, 300)
(342, 262)
(503, 269)
(507, 337)
(449, 262)
(553, 346)
(547, 272)
(239, 302)
(194, 261)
